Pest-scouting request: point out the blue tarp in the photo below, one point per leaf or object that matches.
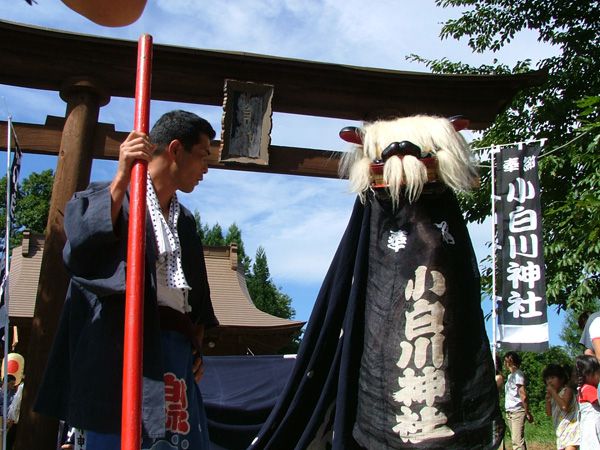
(239, 393)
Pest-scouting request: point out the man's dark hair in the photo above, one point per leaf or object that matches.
(184, 126)
(582, 319)
(556, 370)
(514, 357)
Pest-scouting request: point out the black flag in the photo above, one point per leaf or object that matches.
(521, 289)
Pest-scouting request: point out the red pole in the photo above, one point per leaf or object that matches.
(131, 420)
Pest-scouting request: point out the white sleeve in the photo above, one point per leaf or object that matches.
(15, 406)
(519, 379)
(594, 329)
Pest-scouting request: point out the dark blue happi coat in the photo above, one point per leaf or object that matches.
(395, 354)
(82, 381)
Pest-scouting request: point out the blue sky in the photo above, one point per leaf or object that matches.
(298, 220)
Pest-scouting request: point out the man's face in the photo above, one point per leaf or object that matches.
(191, 166)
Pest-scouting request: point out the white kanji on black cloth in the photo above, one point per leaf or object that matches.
(421, 385)
(446, 236)
(397, 240)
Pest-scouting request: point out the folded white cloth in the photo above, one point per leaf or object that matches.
(167, 238)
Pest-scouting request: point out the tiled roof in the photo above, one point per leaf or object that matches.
(24, 275)
(230, 296)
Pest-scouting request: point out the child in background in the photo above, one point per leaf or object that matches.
(561, 405)
(588, 376)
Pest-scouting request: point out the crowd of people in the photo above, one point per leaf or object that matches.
(571, 394)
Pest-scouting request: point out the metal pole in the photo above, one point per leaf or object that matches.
(131, 423)
(493, 152)
(6, 253)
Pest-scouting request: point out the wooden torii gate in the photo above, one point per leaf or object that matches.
(87, 71)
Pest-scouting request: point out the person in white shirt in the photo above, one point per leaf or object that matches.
(590, 338)
(515, 401)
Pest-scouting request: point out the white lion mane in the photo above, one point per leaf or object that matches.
(407, 176)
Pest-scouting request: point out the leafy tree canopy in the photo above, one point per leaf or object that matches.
(234, 234)
(32, 204)
(565, 110)
(214, 235)
(263, 291)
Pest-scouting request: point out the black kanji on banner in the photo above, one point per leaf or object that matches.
(521, 287)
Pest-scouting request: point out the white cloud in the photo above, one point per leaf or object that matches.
(29, 105)
(299, 221)
(309, 132)
(303, 250)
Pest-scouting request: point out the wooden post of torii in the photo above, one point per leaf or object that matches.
(84, 98)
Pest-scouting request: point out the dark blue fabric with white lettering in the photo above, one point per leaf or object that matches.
(186, 425)
(343, 392)
(426, 378)
(521, 286)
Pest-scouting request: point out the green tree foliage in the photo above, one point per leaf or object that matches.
(264, 293)
(213, 236)
(234, 235)
(199, 228)
(32, 204)
(565, 110)
(571, 333)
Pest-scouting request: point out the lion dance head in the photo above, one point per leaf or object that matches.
(403, 154)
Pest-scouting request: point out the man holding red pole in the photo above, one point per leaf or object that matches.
(82, 384)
